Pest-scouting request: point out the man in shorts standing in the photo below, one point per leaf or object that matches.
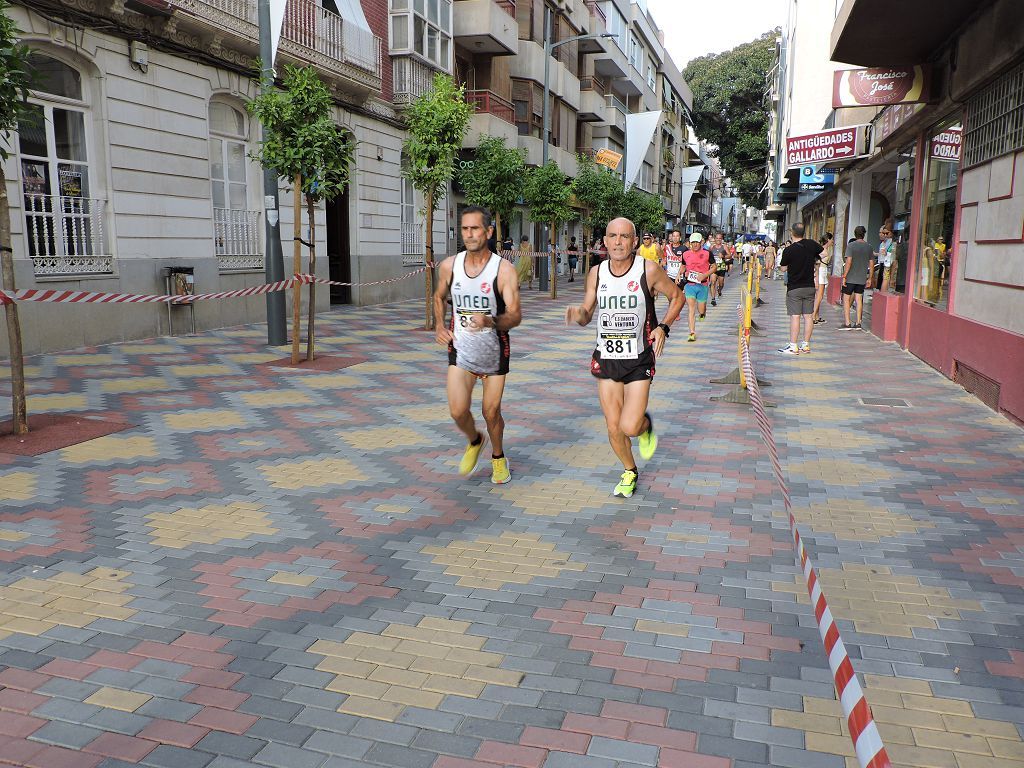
(629, 339)
(484, 292)
(857, 270)
(800, 263)
(698, 276)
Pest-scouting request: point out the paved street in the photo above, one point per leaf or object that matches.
(282, 568)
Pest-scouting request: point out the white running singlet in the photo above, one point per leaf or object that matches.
(625, 309)
(481, 350)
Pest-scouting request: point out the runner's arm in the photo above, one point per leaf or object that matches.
(584, 313)
(444, 282)
(658, 279)
(508, 285)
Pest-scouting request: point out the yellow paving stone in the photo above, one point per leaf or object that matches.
(136, 384)
(911, 718)
(662, 628)
(954, 742)
(688, 537)
(994, 728)
(113, 698)
(381, 656)
(857, 520)
(454, 686)
(413, 697)
(898, 684)
(935, 704)
(6, 534)
(201, 369)
(357, 686)
(372, 708)
(346, 667)
(405, 632)
(332, 381)
(295, 579)
(25, 626)
(1013, 750)
(443, 667)
(552, 498)
(207, 418)
(252, 358)
(280, 398)
(829, 743)
(492, 561)
(403, 677)
(424, 414)
(969, 760)
(920, 757)
(56, 402)
(806, 721)
(372, 641)
(494, 676)
(332, 648)
(311, 473)
(378, 367)
(111, 446)
(97, 358)
(393, 509)
(18, 486)
(209, 525)
(417, 648)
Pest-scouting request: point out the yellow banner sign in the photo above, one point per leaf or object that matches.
(608, 157)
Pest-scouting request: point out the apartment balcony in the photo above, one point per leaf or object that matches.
(411, 77)
(612, 63)
(348, 55)
(592, 104)
(529, 65)
(493, 116)
(535, 155)
(66, 236)
(486, 26)
(615, 113)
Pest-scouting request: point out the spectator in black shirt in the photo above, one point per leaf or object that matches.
(800, 263)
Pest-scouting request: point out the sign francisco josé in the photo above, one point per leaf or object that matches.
(825, 146)
(880, 85)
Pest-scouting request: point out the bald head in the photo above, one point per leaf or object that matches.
(620, 239)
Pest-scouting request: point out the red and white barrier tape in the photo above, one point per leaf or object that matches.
(93, 297)
(867, 742)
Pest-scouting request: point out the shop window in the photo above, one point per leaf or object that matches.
(938, 214)
(901, 218)
(63, 222)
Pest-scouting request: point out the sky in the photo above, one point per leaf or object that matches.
(697, 27)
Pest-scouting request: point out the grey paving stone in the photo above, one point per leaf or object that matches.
(168, 709)
(230, 745)
(279, 732)
(338, 744)
(377, 730)
(613, 749)
(127, 723)
(65, 734)
(767, 734)
(166, 756)
(400, 757)
(446, 744)
(282, 756)
(570, 760)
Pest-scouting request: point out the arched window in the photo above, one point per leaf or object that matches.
(63, 222)
(236, 227)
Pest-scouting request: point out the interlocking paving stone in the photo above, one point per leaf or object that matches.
(550, 623)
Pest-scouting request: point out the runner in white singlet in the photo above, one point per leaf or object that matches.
(620, 291)
(484, 293)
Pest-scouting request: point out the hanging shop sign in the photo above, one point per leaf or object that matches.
(811, 181)
(826, 146)
(608, 157)
(889, 121)
(946, 145)
(879, 86)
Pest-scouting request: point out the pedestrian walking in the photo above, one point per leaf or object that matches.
(573, 253)
(857, 270)
(524, 262)
(828, 246)
(800, 263)
(771, 259)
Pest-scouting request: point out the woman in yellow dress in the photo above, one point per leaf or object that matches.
(524, 263)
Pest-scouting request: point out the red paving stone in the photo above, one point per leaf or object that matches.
(224, 720)
(121, 747)
(511, 755)
(563, 741)
(171, 732)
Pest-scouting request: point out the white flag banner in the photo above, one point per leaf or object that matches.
(276, 20)
(640, 129)
(691, 177)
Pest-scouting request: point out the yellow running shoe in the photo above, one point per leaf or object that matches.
(648, 440)
(472, 456)
(500, 471)
(627, 485)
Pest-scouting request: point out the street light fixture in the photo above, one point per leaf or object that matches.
(549, 48)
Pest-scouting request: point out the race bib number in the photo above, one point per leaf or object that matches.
(464, 318)
(618, 347)
(693, 277)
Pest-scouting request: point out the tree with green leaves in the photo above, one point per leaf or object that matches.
(729, 110)
(494, 179)
(304, 145)
(599, 192)
(644, 210)
(547, 195)
(437, 123)
(15, 81)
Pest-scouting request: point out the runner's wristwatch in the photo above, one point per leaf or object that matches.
(664, 328)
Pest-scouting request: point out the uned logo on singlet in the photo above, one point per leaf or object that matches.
(633, 286)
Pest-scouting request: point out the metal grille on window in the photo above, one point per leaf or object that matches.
(995, 120)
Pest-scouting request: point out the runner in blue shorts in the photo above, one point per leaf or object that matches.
(698, 274)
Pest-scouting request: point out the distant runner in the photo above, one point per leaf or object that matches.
(720, 253)
(674, 263)
(698, 275)
(629, 339)
(484, 291)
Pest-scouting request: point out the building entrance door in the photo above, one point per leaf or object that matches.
(339, 253)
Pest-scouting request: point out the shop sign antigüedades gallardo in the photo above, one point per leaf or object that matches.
(880, 86)
(836, 145)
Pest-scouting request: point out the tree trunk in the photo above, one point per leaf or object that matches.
(553, 261)
(296, 265)
(497, 229)
(429, 261)
(18, 406)
(310, 342)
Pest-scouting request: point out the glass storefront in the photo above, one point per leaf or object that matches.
(902, 207)
(938, 214)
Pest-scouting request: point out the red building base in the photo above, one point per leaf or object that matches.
(834, 290)
(885, 315)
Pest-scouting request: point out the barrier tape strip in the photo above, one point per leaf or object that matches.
(93, 297)
(867, 742)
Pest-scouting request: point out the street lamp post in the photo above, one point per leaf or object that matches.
(273, 259)
(549, 48)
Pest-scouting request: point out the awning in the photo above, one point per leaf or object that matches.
(640, 128)
(691, 178)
